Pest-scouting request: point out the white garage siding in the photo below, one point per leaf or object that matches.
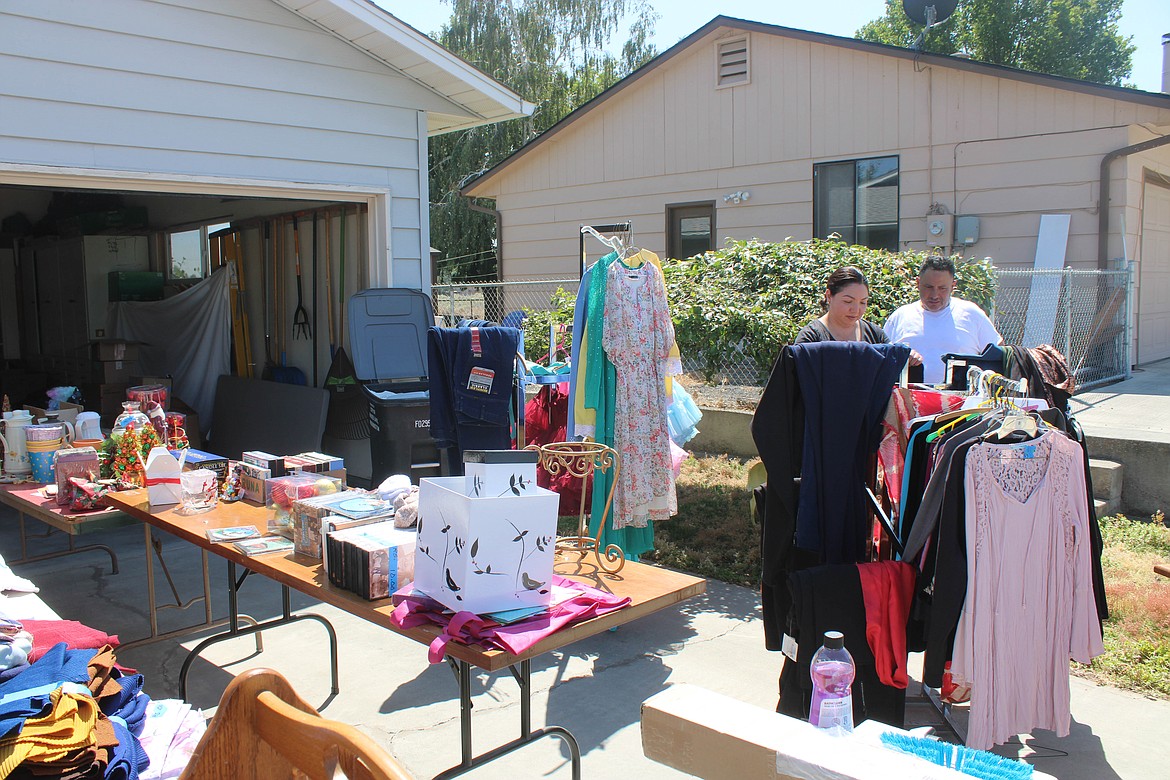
(233, 89)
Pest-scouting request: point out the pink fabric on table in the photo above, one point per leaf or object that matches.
(905, 405)
(415, 610)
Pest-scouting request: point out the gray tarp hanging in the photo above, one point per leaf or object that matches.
(187, 336)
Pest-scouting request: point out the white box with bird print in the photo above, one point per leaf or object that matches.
(484, 554)
(500, 472)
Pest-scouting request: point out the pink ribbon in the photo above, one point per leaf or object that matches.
(161, 481)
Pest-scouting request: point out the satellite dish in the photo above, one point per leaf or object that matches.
(919, 11)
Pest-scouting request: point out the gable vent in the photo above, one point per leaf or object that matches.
(732, 62)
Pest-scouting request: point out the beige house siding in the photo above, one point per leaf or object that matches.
(1004, 150)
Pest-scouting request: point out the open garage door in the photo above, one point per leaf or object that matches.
(69, 248)
(1153, 314)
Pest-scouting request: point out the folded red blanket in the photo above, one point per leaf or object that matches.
(76, 636)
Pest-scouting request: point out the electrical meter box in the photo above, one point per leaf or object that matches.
(967, 230)
(940, 229)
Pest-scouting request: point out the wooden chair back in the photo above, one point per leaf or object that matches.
(264, 731)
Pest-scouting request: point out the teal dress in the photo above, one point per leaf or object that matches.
(600, 392)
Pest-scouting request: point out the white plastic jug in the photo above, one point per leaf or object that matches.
(89, 425)
(15, 447)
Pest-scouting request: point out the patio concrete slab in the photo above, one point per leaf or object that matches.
(594, 688)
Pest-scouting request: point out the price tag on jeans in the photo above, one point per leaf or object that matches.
(788, 647)
(480, 379)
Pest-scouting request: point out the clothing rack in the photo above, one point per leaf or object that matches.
(614, 242)
(985, 382)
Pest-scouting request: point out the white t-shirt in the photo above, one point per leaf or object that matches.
(961, 328)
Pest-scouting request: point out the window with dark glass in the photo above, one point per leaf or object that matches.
(690, 229)
(858, 200)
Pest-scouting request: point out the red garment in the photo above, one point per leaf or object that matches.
(76, 636)
(546, 419)
(887, 588)
(905, 405)
(467, 628)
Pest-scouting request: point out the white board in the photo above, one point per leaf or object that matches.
(1044, 295)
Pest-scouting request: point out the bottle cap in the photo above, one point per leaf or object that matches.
(834, 640)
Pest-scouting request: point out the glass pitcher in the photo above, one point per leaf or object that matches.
(131, 416)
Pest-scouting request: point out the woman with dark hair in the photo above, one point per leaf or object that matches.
(846, 296)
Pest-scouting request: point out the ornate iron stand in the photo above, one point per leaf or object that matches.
(582, 459)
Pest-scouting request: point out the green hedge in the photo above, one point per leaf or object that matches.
(755, 296)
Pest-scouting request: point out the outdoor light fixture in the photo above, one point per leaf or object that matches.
(737, 197)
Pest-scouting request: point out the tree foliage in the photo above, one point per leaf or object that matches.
(1075, 38)
(552, 53)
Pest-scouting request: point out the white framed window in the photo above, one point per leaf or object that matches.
(187, 251)
(733, 62)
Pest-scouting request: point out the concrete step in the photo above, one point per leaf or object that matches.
(1107, 475)
(1106, 508)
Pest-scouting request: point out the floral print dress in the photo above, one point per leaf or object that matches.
(637, 338)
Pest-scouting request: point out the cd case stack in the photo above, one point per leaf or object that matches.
(371, 560)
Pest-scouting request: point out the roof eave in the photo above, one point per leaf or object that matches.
(511, 105)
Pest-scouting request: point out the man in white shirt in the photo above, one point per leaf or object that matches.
(939, 323)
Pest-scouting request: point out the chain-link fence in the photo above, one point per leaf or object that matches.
(497, 301)
(1084, 314)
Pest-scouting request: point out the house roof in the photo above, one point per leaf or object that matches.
(1156, 99)
(479, 98)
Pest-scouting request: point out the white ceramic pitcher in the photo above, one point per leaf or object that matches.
(15, 446)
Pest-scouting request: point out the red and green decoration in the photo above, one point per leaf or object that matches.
(126, 456)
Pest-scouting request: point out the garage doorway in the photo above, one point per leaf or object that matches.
(1153, 313)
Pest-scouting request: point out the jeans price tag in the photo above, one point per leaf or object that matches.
(476, 347)
(480, 380)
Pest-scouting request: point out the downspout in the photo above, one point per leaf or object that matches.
(471, 204)
(1103, 204)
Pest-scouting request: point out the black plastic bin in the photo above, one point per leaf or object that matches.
(388, 335)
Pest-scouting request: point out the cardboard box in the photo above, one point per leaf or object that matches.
(66, 413)
(114, 349)
(110, 400)
(253, 480)
(485, 554)
(110, 371)
(500, 472)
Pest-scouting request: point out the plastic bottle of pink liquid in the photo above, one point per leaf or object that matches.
(832, 677)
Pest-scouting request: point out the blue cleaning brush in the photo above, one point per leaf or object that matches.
(976, 763)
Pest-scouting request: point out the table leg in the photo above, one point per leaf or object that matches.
(523, 676)
(234, 629)
(153, 608)
(71, 550)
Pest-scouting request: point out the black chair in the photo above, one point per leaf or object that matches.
(252, 414)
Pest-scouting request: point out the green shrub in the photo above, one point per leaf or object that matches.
(754, 297)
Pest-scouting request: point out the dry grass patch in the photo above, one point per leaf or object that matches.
(1137, 634)
(713, 534)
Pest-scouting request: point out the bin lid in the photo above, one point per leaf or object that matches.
(388, 333)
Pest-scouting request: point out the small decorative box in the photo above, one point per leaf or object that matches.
(79, 462)
(198, 459)
(495, 473)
